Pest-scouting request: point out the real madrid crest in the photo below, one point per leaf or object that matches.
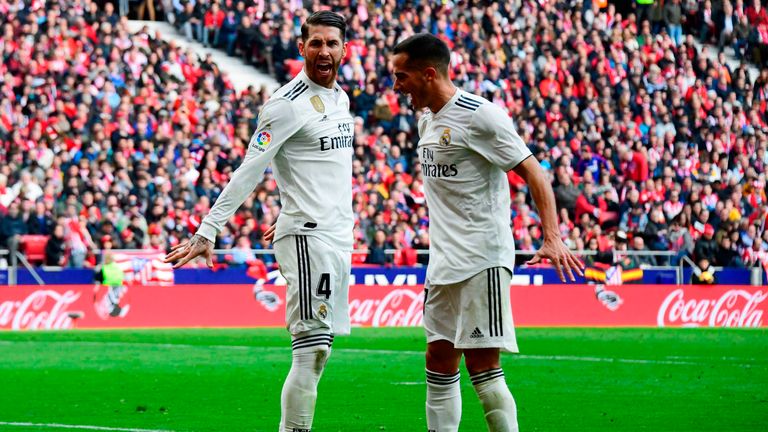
(322, 311)
(317, 103)
(445, 139)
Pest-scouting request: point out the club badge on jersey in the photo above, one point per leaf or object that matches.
(445, 139)
(317, 104)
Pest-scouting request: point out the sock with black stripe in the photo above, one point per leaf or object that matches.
(310, 353)
(443, 402)
(498, 403)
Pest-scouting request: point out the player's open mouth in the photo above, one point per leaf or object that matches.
(324, 68)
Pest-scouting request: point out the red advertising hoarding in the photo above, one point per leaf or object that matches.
(82, 306)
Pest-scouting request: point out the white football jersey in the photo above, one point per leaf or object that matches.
(465, 150)
(306, 131)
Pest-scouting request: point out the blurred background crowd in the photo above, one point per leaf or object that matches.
(114, 140)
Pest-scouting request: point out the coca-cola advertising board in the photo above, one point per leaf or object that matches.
(92, 307)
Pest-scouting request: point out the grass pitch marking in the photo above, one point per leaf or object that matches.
(670, 360)
(81, 427)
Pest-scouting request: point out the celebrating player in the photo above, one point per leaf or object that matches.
(307, 132)
(466, 146)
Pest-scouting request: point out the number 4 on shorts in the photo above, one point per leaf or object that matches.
(324, 286)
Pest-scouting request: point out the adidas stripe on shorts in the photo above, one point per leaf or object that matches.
(475, 313)
(317, 297)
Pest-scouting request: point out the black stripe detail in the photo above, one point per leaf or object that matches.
(516, 165)
(491, 305)
(305, 278)
(469, 107)
(307, 286)
(469, 101)
(300, 261)
(312, 338)
(500, 316)
(483, 374)
(442, 379)
(299, 93)
(309, 277)
(486, 376)
(325, 338)
(313, 344)
(298, 86)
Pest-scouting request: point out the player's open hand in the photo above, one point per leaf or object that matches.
(269, 234)
(183, 253)
(561, 257)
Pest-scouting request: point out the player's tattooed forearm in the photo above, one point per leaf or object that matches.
(200, 240)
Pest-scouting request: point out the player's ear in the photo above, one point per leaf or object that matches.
(300, 44)
(344, 50)
(430, 73)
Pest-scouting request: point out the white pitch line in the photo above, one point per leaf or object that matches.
(671, 360)
(81, 427)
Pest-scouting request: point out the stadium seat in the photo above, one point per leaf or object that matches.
(33, 247)
(405, 257)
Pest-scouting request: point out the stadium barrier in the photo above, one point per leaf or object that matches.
(148, 266)
(371, 275)
(96, 307)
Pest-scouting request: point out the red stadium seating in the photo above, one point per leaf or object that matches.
(33, 247)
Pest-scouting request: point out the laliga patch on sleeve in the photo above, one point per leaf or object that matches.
(262, 140)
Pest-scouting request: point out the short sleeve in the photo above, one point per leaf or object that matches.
(494, 137)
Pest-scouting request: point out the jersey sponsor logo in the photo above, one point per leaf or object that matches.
(317, 104)
(445, 138)
(436, 169)
(439, 170)
(336, 142)
(345, 139)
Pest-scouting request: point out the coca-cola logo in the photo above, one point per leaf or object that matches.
(41, 310)
(734, 308)
(400, 307)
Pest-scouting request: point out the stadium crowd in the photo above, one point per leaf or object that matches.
(112, 140)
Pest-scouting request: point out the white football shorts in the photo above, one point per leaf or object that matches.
(475, 313)
(317, 297)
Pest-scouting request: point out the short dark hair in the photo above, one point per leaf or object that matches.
(324, 18)
(426, 49)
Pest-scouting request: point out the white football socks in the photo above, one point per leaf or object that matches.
(443, 402)
(498, 403)
(310, 353)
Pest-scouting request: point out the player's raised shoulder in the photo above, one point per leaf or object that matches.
(489, 116)
(469, 102)
(293, 90)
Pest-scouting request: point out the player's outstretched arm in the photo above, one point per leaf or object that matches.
(553, 247)
(184, 252)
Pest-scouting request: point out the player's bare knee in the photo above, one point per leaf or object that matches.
(481, 360)
(442, 357)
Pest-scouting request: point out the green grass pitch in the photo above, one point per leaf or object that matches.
(230, 380)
